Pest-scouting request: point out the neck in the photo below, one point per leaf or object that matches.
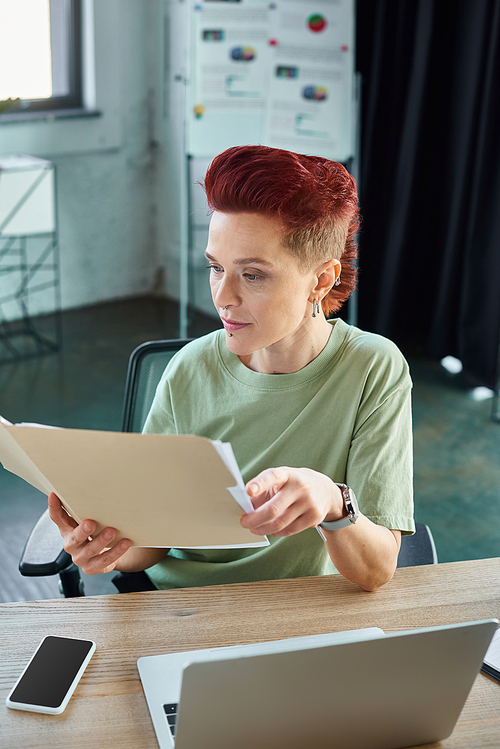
(293, 353)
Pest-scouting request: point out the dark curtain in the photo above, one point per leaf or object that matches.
(430, 178)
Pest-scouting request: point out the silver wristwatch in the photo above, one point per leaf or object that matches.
(351, 506)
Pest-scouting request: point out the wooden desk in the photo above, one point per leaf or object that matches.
(108, 706)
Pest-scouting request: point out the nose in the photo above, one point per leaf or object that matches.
(225, 293)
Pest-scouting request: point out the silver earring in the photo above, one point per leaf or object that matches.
(315, 308)
(337, 281)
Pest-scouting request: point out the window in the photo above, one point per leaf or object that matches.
(97, 125)
(40, 56)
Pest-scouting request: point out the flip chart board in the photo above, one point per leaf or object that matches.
(277, 73)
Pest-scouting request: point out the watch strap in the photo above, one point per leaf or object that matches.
(351, 506)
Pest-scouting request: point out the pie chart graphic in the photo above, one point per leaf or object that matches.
(316, 22)
(243, 54)
(315, 93)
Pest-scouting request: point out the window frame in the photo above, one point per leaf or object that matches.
(74, 100)
(97, 126)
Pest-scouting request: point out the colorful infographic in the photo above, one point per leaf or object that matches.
(243, 54)
(216, 35)
(315, 93)
(310, 111)
(286, 71)
(277, 72)
(317, 23)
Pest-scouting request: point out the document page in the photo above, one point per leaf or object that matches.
(492, 657)
(157, 490)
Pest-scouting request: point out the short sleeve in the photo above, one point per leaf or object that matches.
(160, 419)
(380, 464)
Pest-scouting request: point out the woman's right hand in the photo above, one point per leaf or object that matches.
(91, 554)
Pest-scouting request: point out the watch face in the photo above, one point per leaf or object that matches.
(350, 505)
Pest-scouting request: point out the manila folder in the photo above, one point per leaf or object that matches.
(157, 490)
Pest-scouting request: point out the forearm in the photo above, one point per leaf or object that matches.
(139, 558)
(364, 552)
(289, 500)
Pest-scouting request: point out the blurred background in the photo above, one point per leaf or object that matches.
(118, 106)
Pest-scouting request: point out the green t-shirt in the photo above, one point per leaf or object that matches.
(346, 414)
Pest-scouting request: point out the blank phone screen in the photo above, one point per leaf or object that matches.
(51, 672)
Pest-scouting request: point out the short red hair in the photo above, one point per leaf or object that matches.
(314, 198)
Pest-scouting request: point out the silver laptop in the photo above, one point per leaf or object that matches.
(360, 689)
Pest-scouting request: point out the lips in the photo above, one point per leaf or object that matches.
(232, 325)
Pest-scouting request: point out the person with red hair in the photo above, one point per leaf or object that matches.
(318, 412)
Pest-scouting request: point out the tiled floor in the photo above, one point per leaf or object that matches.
(457, 465)
(457, 446)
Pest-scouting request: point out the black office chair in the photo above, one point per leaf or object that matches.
(418, 549)
(43, 554)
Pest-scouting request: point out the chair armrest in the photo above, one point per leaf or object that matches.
(43, 554)
(132, 582)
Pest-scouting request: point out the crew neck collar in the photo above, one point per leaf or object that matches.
(261, 381)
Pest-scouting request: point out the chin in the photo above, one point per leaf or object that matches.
(238, 347)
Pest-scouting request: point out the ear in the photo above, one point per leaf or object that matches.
(325, 276)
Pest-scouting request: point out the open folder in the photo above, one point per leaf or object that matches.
(157, 490)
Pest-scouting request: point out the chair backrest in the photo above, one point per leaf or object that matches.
(418, 549)
(43, 553)
(146, 365)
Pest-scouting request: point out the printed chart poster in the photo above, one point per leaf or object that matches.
(311, 82)
(230, 74)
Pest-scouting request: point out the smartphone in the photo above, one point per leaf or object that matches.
(51, 676)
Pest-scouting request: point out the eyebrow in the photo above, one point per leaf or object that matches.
(244, 260)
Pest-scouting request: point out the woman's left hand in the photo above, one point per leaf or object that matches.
(289, 500)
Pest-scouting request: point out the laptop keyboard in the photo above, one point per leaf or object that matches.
(171, 712)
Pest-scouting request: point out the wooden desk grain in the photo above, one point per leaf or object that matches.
(108, 706)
